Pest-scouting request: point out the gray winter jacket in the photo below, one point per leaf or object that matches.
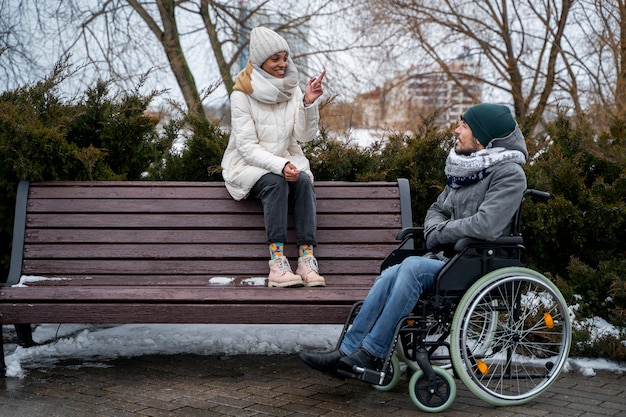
(483, 210)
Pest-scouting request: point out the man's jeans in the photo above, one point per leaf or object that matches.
(392, 297)
(277, 196)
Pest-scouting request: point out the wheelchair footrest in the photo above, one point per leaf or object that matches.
(366, 375)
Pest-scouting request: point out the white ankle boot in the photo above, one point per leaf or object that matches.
(309, 271)
(281, 274)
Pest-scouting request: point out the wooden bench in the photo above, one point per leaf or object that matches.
(185, 252)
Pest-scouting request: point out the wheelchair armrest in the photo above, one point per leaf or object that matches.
(537, 195)
(501, 241)
(413, 232)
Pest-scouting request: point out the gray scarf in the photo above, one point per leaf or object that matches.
(462, 170)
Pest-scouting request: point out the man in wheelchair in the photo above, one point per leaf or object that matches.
(485, 184)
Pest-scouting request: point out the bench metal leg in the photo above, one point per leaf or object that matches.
(24, 335)
(3, 366)
(24, 339)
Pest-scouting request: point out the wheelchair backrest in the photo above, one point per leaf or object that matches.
(474, 258)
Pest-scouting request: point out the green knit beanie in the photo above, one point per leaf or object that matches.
(489, 121)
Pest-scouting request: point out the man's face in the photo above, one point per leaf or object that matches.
(466, 143)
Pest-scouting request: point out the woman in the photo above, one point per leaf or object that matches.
(269, 115)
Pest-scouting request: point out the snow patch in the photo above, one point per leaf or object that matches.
(26, 279)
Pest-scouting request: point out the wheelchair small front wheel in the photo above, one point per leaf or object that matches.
(393, 376)
(432, 396)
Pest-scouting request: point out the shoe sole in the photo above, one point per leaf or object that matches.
(288, 284)
(332, 373)
(315, 284)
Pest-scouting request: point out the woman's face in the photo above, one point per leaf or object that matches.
(276, 65)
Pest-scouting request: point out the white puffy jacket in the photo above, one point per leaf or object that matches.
(264, 137)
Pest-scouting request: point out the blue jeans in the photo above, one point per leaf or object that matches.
(277, 196)
(392, 297)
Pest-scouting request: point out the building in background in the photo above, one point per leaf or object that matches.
(422, 91)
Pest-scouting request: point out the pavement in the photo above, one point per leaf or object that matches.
(269, 385)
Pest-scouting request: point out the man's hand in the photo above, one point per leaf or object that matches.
(431, 239)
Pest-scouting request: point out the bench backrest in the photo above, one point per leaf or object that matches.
(185, 233)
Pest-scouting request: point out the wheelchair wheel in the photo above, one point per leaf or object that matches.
(435, 397)
(393, 377)
(528, 337)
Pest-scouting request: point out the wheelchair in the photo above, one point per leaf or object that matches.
(502, 329)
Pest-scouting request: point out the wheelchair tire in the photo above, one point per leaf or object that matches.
(432, 399)
(391, 380)
(528, 340)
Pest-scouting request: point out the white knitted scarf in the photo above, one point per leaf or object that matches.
(464, 170)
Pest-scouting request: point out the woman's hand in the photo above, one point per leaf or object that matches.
(291, 172)
(313, 89)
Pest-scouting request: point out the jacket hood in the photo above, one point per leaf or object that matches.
(513, 141)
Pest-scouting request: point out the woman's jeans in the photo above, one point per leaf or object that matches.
(392, 297)
(277, 196)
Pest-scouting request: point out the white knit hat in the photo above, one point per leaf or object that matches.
(264, 43)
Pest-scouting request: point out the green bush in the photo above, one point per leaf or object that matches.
(605, 346)
(98, 137)
(419, 157)
(115, 137)
(578, 235)
(200, 154)
(337, 161)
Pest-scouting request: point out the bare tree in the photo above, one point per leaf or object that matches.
(518, 43)
(200, 43)
(15, 33)
(598, 54)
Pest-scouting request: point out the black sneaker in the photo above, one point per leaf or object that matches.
(324, 362)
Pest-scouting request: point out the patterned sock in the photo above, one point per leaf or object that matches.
(276, 249)
(304, 250)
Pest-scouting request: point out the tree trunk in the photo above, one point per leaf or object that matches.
(216, 46)
(170, 40)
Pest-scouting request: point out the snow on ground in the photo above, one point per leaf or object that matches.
(94, 345)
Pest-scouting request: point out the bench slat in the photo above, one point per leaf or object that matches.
(212, 267)
(207, 190)
(195, 221)
(191, 280)
(176, 313)
(156, 251)
(184, 294)
(201, 206)
(67, 235)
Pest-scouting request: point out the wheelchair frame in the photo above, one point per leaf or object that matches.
(501, 328)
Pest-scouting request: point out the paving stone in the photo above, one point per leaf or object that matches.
(280, 385)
